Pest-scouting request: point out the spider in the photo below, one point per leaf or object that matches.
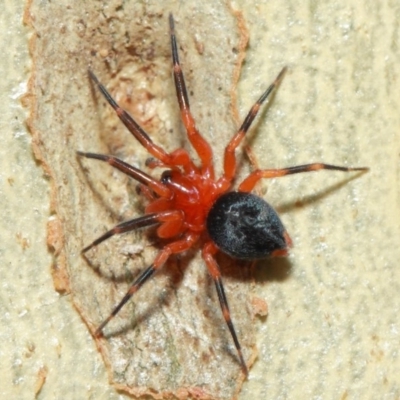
(190, 204)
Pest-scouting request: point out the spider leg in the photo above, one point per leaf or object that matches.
(172, 248)
(202, 148)
(230, 157)
(136, 223)
(131, 171)
(248, 184)
(209, 250)
(178, 157)
(146, 192)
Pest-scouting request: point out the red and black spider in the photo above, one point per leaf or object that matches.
(189, 204)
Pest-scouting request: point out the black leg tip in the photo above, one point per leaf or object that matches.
(171, 22)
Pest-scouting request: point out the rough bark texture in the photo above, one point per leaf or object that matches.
(332, 328)
(171, 338)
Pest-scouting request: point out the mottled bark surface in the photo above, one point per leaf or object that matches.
(171, 338)
(332, 328)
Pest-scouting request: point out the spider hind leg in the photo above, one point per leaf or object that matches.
(209, 251)
(172, 248)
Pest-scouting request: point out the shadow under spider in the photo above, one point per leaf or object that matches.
(100, 197)
(269, 269)
(313, 198)
(175, 269)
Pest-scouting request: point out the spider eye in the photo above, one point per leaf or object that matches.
(245, 226)
(166, 176)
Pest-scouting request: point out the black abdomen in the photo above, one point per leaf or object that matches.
(245, 226)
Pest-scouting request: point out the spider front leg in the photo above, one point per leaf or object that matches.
(172, 248)
(178, 157)
(248, 184)
(202, 148)
(131, 171)
(208, 253)
(230, 157)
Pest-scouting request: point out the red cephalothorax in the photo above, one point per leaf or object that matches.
(189, 204)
